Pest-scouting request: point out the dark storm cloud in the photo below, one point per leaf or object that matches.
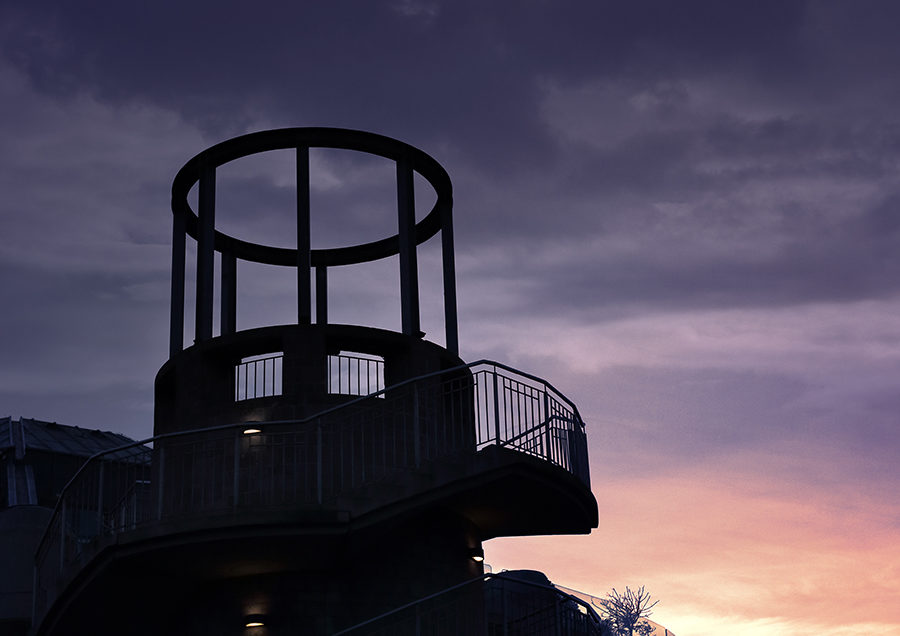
(69, 346)
(720, 209)
(218, 67)
(820, 260)
(468, 80)
(467, 67)
(79, 313)
(608, 157)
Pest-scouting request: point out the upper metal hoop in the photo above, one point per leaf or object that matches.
(286, 138)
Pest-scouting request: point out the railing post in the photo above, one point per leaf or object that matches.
(62, 534)
(319, 460)
(321, 295)
(161, 477)
(548, 419)
(264, 394)
(236, 485)
(34, 593)
(416, 430)
(485, 604)
(558, 616)
(496, 410)
(100, 499)
(418, 621)
(503, 618)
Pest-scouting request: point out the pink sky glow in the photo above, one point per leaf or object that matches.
(728, 551)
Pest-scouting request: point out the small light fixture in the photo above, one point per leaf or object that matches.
(251, 431)
(254, 620)
(477, 554)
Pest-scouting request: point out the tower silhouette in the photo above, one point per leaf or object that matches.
(305, 478)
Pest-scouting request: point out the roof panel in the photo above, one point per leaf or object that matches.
(59, 438)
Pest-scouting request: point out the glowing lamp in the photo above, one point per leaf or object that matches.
(254, 620)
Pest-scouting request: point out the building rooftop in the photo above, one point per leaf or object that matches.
(29, 434)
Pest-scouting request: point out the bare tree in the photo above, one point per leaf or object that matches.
(624, 613)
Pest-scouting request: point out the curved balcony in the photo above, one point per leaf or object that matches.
(523, 603)
(462, 436)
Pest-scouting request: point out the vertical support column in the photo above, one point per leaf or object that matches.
(304, 292)
(205, 251)
(409, 277)
(228, 311)
(451, 328)
(321, 295)
(176, 305)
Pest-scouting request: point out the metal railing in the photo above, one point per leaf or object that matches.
(313, 461)
(259, 376)
(490, 605)
(354, 374)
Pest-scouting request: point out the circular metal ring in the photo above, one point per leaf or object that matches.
(285, 138)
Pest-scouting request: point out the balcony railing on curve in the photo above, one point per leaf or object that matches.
(258, 376)
(306, 462)
(489, 605)
(350, 373)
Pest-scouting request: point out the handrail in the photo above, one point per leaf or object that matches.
(477, 579)
(258, 387)
(310, 418)
(369, 369)
(536, 427)
(594, 601)
(502, 576)
(478, 408)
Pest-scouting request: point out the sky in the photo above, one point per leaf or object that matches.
(685, 215)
